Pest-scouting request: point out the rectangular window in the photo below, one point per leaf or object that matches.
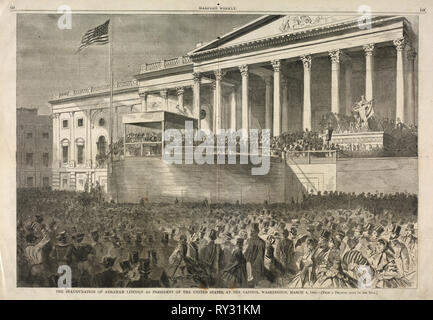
(45, 181)
(45, 135)
(80, 122)
(45, 159)
(80, 154)
(65, 123)
(65, 154)
(29, 182)
(29, 135)
(64, 183)
(29, 159)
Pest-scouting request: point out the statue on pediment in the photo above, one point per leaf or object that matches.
(303, 21)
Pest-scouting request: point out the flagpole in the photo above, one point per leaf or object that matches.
(110, 40)
(111, 170)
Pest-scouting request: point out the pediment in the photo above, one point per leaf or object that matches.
(272, 26)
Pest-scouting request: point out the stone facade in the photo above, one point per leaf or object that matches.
(34, 149)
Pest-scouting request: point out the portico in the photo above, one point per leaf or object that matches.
(303, 73)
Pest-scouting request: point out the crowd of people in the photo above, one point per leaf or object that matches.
(328, 240)
(298, 141)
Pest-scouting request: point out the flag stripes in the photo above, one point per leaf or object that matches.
(98, 36)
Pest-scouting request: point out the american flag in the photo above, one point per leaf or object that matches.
(98, 35)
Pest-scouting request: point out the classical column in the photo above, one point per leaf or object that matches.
(335, 80)
(411, 108)
(306, 61)
(143, 95)
(218, 91)
(180, 91)
(400, 44)
(268, 103)
(214, 106)
(164, 96)
(285, 105)
(369, 68)
(72, 139)
(348, 86)
(245, 125)
(116, 124)
(56, 140)
(88, 145)
(233, 109)
(196, 93)
(276, 64)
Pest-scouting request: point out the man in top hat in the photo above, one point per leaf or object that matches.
(321, 253)
(401, 254)
(61, 253)
(364, 240)
(212, 256)
(235, 274)
(285, 251)
(227, 247)
(254, 255)
(108, 278)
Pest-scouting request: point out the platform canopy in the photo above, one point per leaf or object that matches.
(155, 118)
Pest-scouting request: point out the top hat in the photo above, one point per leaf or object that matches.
(379, 230)
(228, 236)
(255, 227)
(396, 229)
(325, 234)
(108, 262)
(213, 234)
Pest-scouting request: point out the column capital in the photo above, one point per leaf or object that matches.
(56, 115)
(196, 76)
(163, 93)
(219, 74)
(276, 64)
(244, 70)
(368, 49)
(268, 81)
(180, 91)
(142, 92)
(306, 61)
(336, 55)
(400, 43)
(284, 82)
(213, 84)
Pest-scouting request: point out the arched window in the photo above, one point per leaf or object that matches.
(102, 145)
(65, 151)
(80, 150)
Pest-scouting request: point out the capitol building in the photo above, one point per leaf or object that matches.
(282, 73)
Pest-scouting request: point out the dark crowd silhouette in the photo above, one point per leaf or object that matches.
(329, 240)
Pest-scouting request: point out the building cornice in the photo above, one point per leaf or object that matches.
(284, 39)
(71, 95)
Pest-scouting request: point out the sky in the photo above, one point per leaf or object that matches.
(47, 63)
